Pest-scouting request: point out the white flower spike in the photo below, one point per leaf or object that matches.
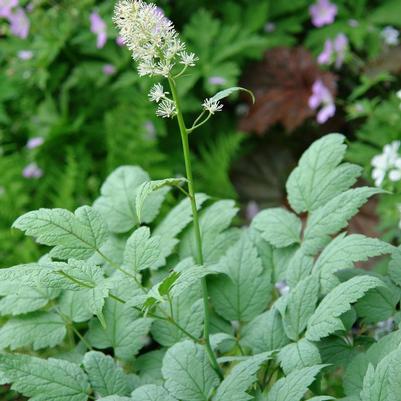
(151, 37)
(157, 93)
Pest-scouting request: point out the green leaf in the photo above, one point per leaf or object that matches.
(188, 313)
(150, 367)
(42, 379)
(151, 392)
(341, 254)
(78, 275)
(105, 377)
(214, 222)
(227, 92)
(278, 226)
(326, 320)
(74, 235)
(124, 331)
(75, 305)
(118, 197)
(298, 355)
(265, 332)
(145, 189)
(299, 267)
(178, 218)
(383, 382)
(356, 370)
(26, 299)
(142, 251)
(301, 303)
(234, 387)
(333, 216)
(244, 290)
(38, 329)
(294, 386)
(188, 277)
(188, 373)
(318, 177)
(394, 268)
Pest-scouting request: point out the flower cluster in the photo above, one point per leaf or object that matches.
(322, 97)
(323, 13)
(32, 170)
(16, 16)
(151, 37)
(167, 108)
(334, 50)
(387, 163)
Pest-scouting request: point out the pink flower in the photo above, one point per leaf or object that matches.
(6, 7)
(98, 27)
(109, 69)
(19, 23)
(322, 97)
(338, 47)
(35, 142)
(32, 171)
(323, 13)
(325, 56)
(217, 80)
(25, 55)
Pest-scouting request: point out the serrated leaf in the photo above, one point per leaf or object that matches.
(383, 382)
(341, 254)
(234, 387)
(74, 235)
(298, 355)
(150, 367)
(301, 303)
(188, 373)
(326, 320)
(175, 221)
(394, 268)
(105, 377)
(118, 197)
(38, 329)
(151, 392)
(125, 331)
(75, 305)
(141, 251)
(278, 226)
(42, 379)
(145, 189)
(333, 216)
(264, 333)
(214, 221)
(242, 292)
(227, 92)
(294, 386)
(78, 275)
(318, 178)
(189, 277)
(356, 370)
(299, 267)
(188, 313)
(26, 299)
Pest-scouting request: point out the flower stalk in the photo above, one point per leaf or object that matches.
(198, 237)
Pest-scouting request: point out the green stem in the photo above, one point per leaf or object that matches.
(198, 238)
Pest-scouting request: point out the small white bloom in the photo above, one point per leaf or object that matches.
(390, 36)
(166, 109)
(388, 162)
(212, 106)
(157, 93)
(282, 287)
(188, 59)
